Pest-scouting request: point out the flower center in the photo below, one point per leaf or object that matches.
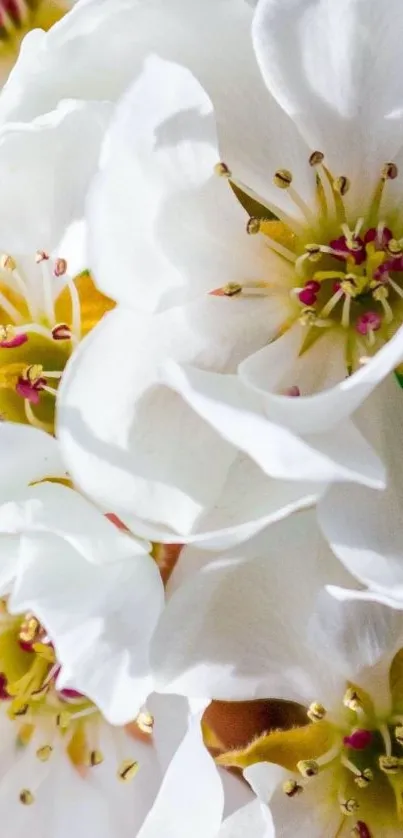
(348, 274)
(44, 312)
(46, 717)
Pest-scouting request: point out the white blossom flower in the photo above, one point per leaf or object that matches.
(46, 302)
(266, 629)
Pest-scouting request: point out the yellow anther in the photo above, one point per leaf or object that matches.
(7, 262)
(380, 293)
(349, 806)
(341, 185)
(389, 171)
(33, 372)
(282, 178)
(61, 332)
(308, 316)
(30, 627)
(353, 700)
(221, 169)
(399, 734)
(63, 720)
(314, 252)
(232, 289)
(253, 226)
(95, 758)
(316, 158)
(26, 797)
(316, 712)
(364, 779)
(128, 770)
(145, 722)
(308, 767)
(395, 247)
(390, 764)
(291, 788)
(44, 753)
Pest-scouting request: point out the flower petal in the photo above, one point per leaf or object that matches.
(100, 619)
(191, 799)
(226, 632)
(333, 70)
(52, 508)
(236, 412)
(249, 820)
(45, 169)
(27, 456)
(189, 235)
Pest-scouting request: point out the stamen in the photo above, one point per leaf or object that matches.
(337, 196)
(390, 764)
(60, 267)
(308, 768)
(292, 789)
(61, 332)
(364, 779)
(33, 420)
(47, 286)
(349, 806)
(332, 303)
(145, 722)
(76, 309)
(341, 185)
(95, 758)
(253, 226)
(316, 158)
(26, 797)
(380, 294)
(389, 172)
(399, 734)
(10, 338)
(316, 712)
(128, 770)
(283, 180)
(345, 316)
(44, 753)
(353, 700)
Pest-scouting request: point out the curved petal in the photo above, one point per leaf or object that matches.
(189, 233)
(100, 619)
(191, 798)
(227, 632)
(317, 411)
(237, 413)
(131, 444)
(332, 67)
(27, 456)
(99, 49)
(365, 528)
(249, 820)
(45, 169)
(52, 508)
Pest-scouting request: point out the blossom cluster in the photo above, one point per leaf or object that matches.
(201, 372)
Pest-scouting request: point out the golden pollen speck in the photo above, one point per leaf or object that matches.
(316, 158)
(128, 770)
(341, 185)
(390, 171)
(282, 178)
(221, 169)
(253, 226)
(95, 758)
(26, 797)
(44, 753)
(308, 767)
(350, 806)
(291, 788)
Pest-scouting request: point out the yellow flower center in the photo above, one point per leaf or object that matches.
(44, 313)
(45, 716)
(357, 752)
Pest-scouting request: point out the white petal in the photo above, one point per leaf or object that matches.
(189, 233)
(45, 169)
(247, 821)
(332, 67)
(365, 528)
(277, 367)
(52, 508)
(236, 413)
(134, 446)
(190, 801)
(100, 619)
(226, 633)
(27, 455)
